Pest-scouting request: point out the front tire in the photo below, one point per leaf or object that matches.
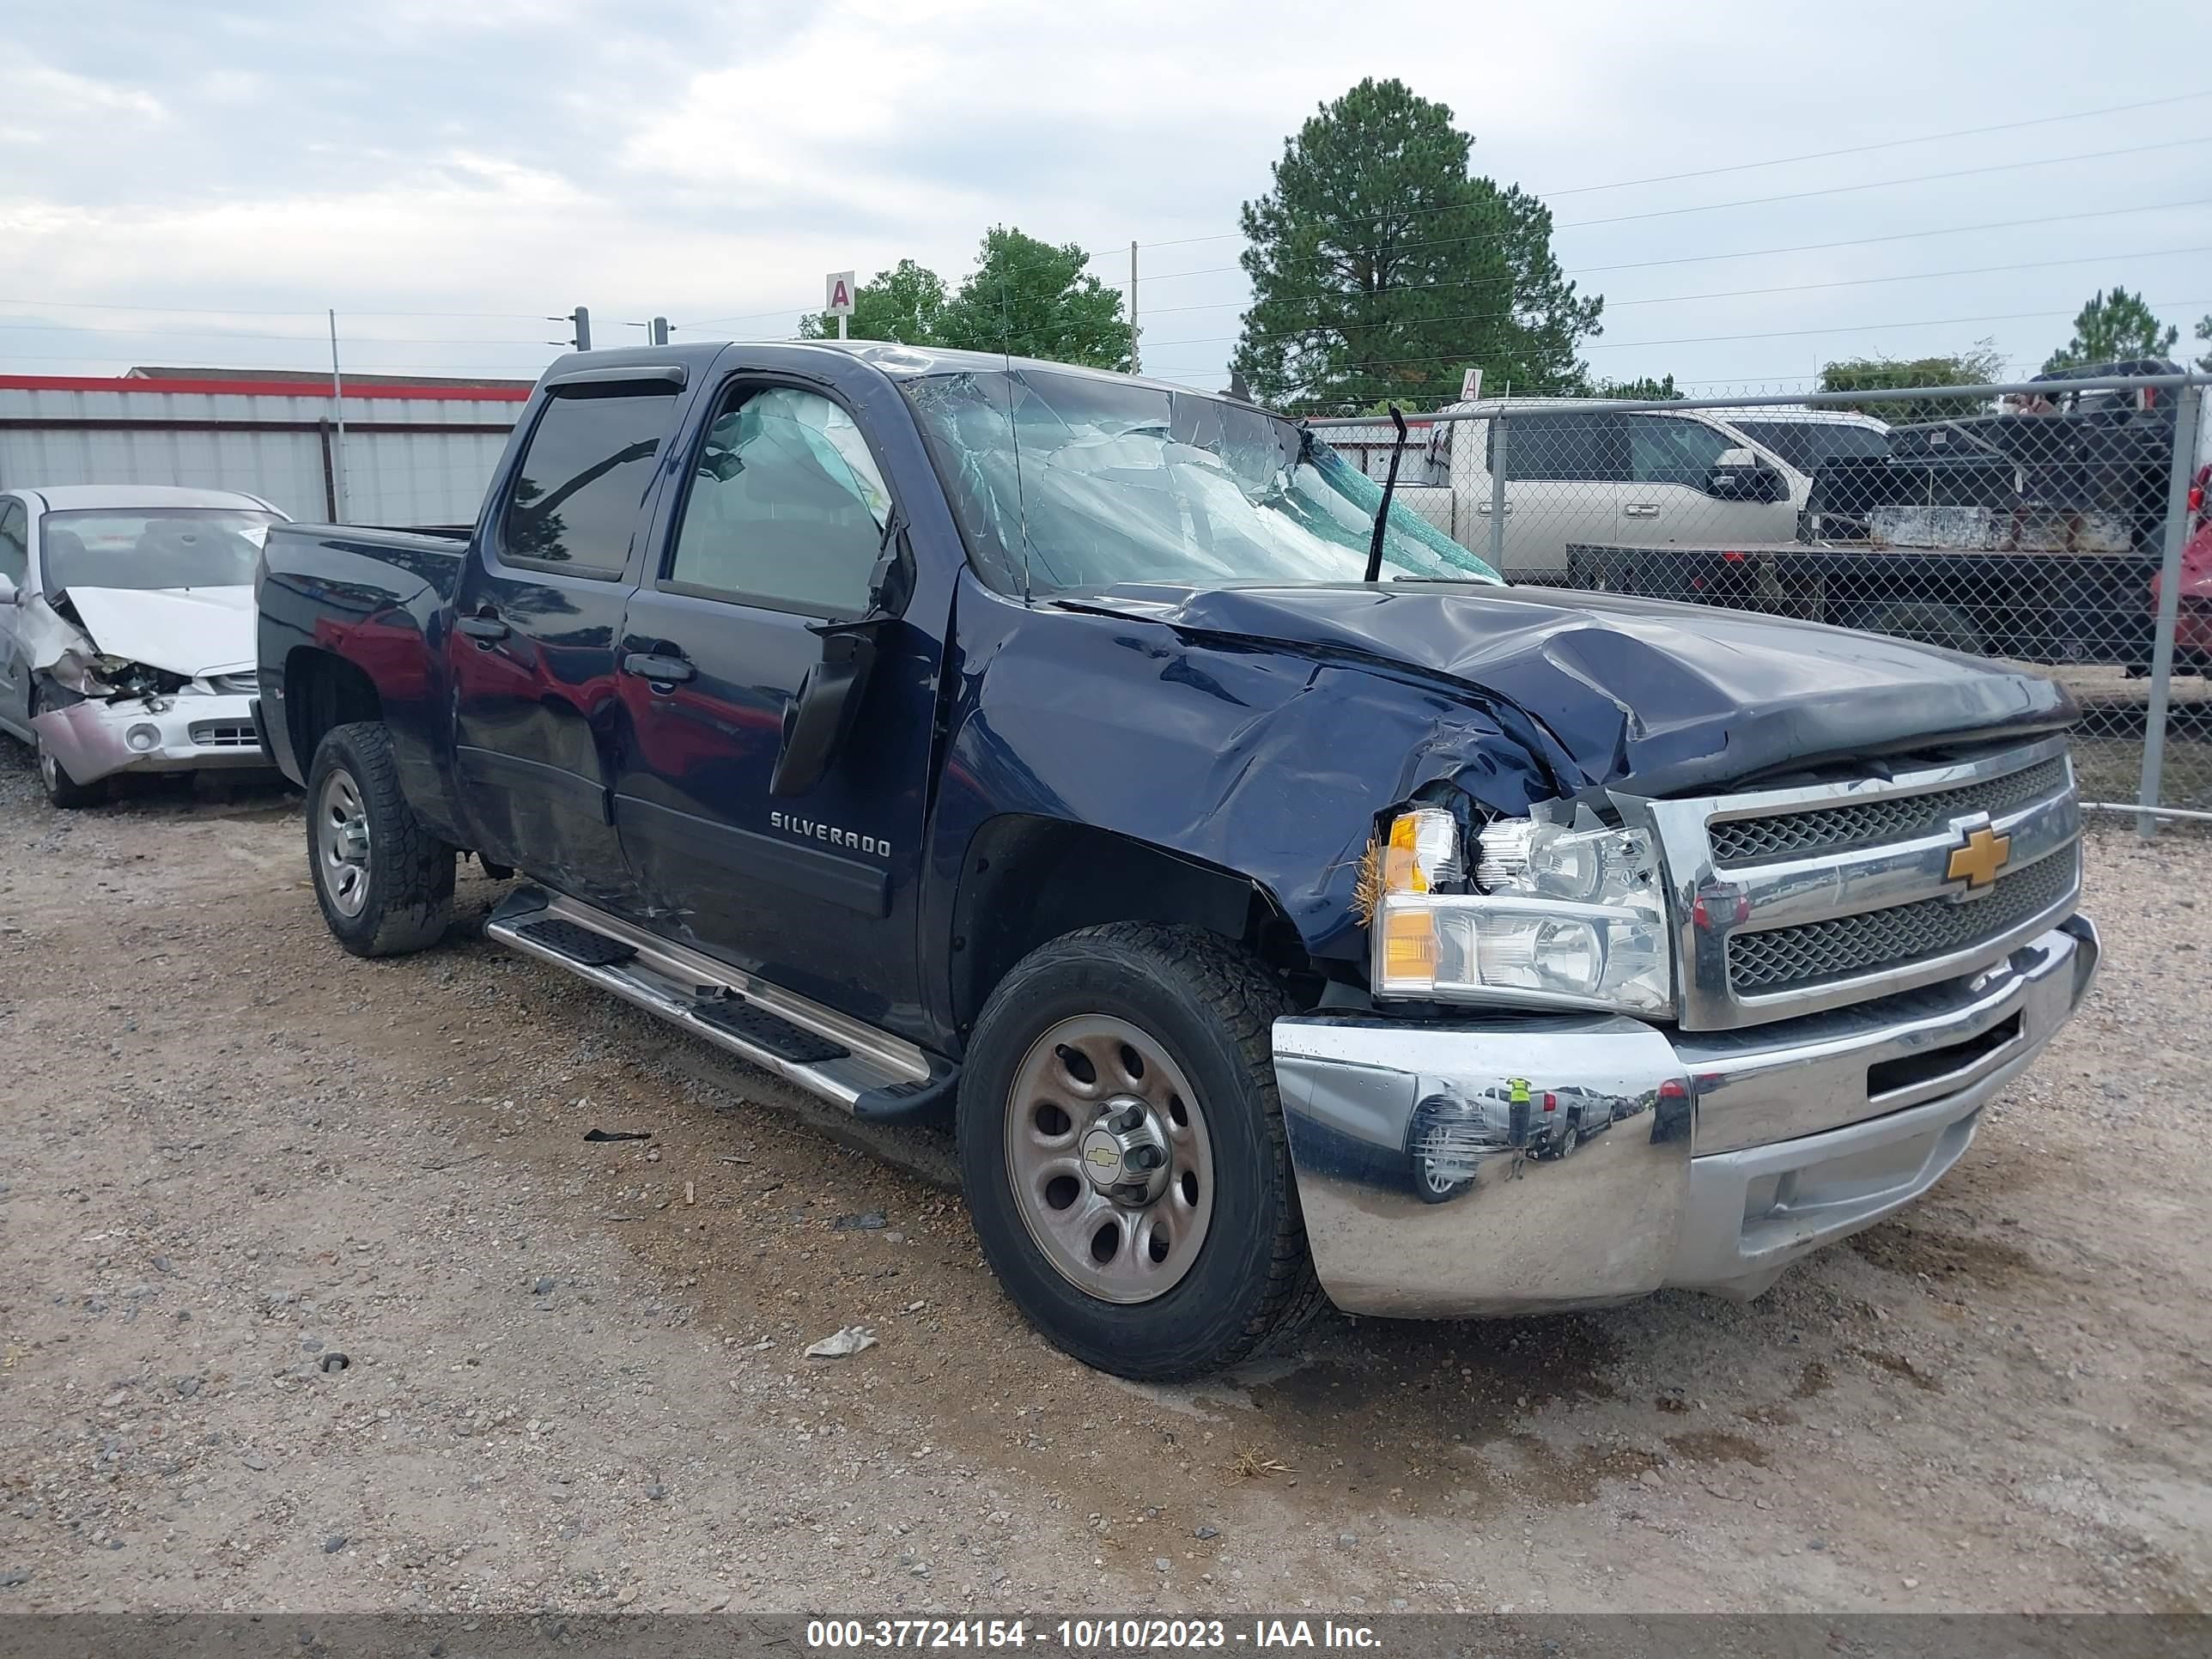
(1122, 1147)
(1432, 1188)
(383, 882)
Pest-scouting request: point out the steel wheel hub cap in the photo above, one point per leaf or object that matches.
(341, 845)
(1125, 1154)
(1110, 1162)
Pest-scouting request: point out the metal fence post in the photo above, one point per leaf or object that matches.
(2186, 414)
(1498, 492)
(338, 414)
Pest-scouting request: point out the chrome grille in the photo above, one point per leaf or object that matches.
(1802, 897)
(1888, 818)
(1792, 958)
(225, 734)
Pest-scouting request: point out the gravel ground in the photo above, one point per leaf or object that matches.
(571, 1371)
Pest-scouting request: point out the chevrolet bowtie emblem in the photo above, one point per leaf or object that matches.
(1979, 862)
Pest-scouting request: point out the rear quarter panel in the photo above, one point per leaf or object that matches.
(378, 599)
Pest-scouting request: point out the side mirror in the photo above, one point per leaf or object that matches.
(1739, 475)
(819, 716)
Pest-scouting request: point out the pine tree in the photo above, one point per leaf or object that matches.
(1380, 268)
(2118, 329)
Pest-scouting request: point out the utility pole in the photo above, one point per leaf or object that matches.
(1136, 363)
(337, 411)
(581, 321)
(660, 335)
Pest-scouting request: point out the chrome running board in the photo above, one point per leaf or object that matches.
(844, 1060)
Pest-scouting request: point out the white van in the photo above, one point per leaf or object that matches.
(1578, 474)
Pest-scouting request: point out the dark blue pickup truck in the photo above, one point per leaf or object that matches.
(1283, 907)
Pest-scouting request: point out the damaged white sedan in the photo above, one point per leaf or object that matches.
(127, 630)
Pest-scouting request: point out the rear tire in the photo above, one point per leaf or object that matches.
(63, 790)
(1112, 1277)
(383, 882)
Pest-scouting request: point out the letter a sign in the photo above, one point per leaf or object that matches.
(839, 286)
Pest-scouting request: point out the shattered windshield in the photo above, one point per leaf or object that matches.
(152, 547)
(1114, 481)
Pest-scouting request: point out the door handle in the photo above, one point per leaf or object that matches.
(1641, 509)
(1484, 506)
(662, 670)
(482, 629)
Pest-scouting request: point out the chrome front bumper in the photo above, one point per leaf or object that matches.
(1705, 1161)
(188, 733)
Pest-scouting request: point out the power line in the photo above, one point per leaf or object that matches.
(223, 311)
(1759, 252)
(494, 371)
(1886, 183)
(1750, 201)
(1777, 161)
(310, 339)
(1725, 294)
(1658, 213)
(1781, 334)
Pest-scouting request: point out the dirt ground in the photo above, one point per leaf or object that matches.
(572, 1373)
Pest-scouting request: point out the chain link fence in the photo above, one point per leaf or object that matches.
(2059, 523)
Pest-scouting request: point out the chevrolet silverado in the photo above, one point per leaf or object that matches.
(1241, 864)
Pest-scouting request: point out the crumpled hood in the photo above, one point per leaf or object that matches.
(193, 631)
(1669, 698)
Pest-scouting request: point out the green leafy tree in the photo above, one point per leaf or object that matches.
(1643, 391)
(1381, 267)
(1978, 366)
(2118, 328)
(1034, 300)
(901, 304)
(2204, 333)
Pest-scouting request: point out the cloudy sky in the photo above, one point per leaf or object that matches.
(196, 183)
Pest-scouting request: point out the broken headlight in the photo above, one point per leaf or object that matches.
(1556, 910)
(119, 677)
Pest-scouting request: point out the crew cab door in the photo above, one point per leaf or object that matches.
(531, 650)
(1668, 499)
(772, 537)
(1564, 471)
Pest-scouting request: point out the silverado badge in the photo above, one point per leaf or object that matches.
(1981, 859)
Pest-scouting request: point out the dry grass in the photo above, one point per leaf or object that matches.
(1250, 1465)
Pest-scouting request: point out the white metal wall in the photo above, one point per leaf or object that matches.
(64, 436)
(285, 468)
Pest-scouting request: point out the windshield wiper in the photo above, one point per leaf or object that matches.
(1389, 485)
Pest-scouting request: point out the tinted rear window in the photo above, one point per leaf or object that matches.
(576, 495)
